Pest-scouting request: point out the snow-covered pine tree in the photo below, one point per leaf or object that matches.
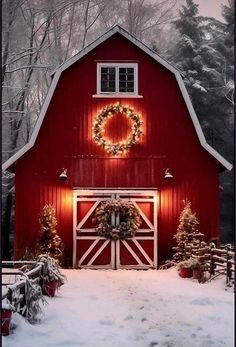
(221, 101)
(49, 241)
(205, 53)
(186, 55)
(187, 233)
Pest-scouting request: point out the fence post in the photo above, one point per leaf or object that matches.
(22, 303)
(228, 266)
(212, 264)
(9, 297)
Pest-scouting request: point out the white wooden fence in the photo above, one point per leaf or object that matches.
(18, 278)
(215, 260)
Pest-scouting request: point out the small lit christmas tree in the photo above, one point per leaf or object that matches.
(187, 232)
(49, 242)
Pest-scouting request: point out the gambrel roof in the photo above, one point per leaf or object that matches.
(57, 73)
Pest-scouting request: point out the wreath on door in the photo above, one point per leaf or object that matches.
(129, 219)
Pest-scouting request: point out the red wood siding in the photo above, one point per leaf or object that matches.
(65, 140)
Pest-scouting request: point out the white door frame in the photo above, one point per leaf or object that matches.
(102, 194)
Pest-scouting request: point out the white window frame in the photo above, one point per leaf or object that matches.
(117, 93)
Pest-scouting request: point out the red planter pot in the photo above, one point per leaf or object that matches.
(185, 272)
(6, 320)
(50, 288)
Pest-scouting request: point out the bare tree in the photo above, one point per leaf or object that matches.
(141, 17)
(92, 11)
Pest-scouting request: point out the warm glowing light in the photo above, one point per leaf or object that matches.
(99, 128)
(66, 199)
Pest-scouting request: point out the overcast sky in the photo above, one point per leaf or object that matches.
(211, 8)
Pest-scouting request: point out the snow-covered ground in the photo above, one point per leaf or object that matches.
(107, 308)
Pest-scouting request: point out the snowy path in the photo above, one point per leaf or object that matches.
(131, 308)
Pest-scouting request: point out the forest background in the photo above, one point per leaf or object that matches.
(39, 35)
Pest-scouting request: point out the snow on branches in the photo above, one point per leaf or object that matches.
(187, 232)
(49, 242)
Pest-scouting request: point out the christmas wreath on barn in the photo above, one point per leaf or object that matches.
(129, 219)
(124, 145)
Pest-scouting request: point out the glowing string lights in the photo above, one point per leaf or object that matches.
(99, 128)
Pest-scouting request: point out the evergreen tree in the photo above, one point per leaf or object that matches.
(49, 242)
(222, 40)
(186, 55)
(220, 57)
(204, 52)
(187, 232)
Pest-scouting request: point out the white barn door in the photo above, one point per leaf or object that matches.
(93, 251)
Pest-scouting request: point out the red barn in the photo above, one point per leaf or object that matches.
(118, 118)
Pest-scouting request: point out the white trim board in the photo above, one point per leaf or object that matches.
(57, 73)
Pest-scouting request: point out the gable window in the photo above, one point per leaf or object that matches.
(126, 80)
(114, 79)
(108, 79)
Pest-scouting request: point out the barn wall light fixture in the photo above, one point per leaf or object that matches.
(168, 175)
(63, 175)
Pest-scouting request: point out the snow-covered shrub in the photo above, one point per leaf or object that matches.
(195, 264)
(192, 263)
(167, 264)
(6, 305)
(33, 297)
(51, 270)
(184, 264)
(27, 302)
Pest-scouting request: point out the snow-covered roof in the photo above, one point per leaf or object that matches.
(57, 73)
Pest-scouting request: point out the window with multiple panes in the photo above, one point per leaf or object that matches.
(117, 78)
(126, 80)
(108, 79)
